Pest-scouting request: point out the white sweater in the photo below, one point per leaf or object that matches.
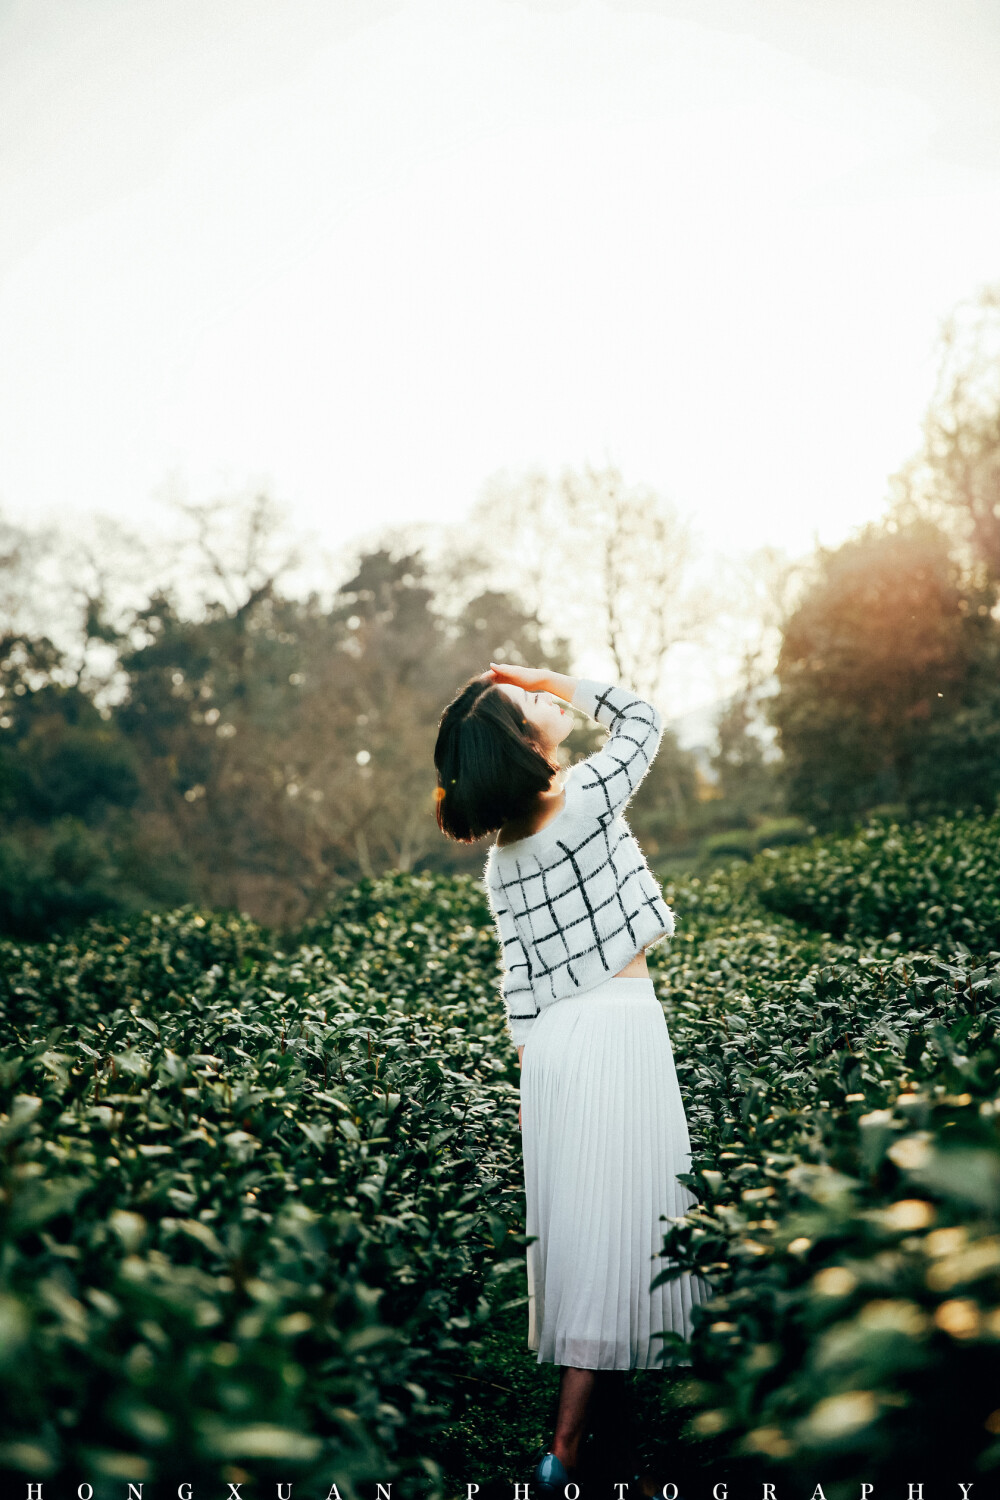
(574, 902)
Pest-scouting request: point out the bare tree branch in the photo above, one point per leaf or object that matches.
(605, 563)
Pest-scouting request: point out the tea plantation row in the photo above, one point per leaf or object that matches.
(252, 1200)
(845, 1113)
(262, 1206)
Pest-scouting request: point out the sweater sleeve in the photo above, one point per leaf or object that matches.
(515, 978)
(604, 782)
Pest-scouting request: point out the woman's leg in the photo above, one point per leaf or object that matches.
(610, 1420)
(575, 1389)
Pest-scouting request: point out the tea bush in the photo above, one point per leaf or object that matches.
(924, 885)
(846, 1154)
(254, 1199)
(262, 1203)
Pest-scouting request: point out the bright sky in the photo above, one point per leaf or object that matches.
(371, 253)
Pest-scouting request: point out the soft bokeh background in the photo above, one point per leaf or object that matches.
(345, 346)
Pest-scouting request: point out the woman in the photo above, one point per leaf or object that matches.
(603, 1127)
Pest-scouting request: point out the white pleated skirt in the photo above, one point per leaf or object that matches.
(603, 1136)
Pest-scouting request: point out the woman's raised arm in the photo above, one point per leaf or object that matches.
(534, 680)
(605, 781)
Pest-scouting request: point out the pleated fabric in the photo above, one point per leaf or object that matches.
(603, 1136)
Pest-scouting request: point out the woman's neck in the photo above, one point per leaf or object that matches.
(547, 805)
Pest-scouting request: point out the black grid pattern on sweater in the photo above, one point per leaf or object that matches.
(569, 933)
(615, 796)
(622, 767)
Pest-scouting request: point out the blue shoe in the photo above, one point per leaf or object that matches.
(549, 1478)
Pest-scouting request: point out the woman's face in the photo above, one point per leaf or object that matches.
(550, 718)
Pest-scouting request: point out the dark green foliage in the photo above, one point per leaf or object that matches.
(67, 781)
(256, 757)
(848, 1162)
(70, 769)
(732, 843)
(959, 763)
(262, 1202)
(929, 885)
(846, 1151)
(744, 843)
(253, 1200)
(779, 833)
(55, 876)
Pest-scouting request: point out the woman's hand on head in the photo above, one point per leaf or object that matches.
(534, 679)
(530, 678)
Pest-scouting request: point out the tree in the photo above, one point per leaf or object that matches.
(68, 780)
(877, 656)
(606, 564)
(760, 591)
(748, 778)
(360, 743)
(399, 662)
(955, 479)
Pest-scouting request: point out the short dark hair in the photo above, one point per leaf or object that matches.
(490, 764)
